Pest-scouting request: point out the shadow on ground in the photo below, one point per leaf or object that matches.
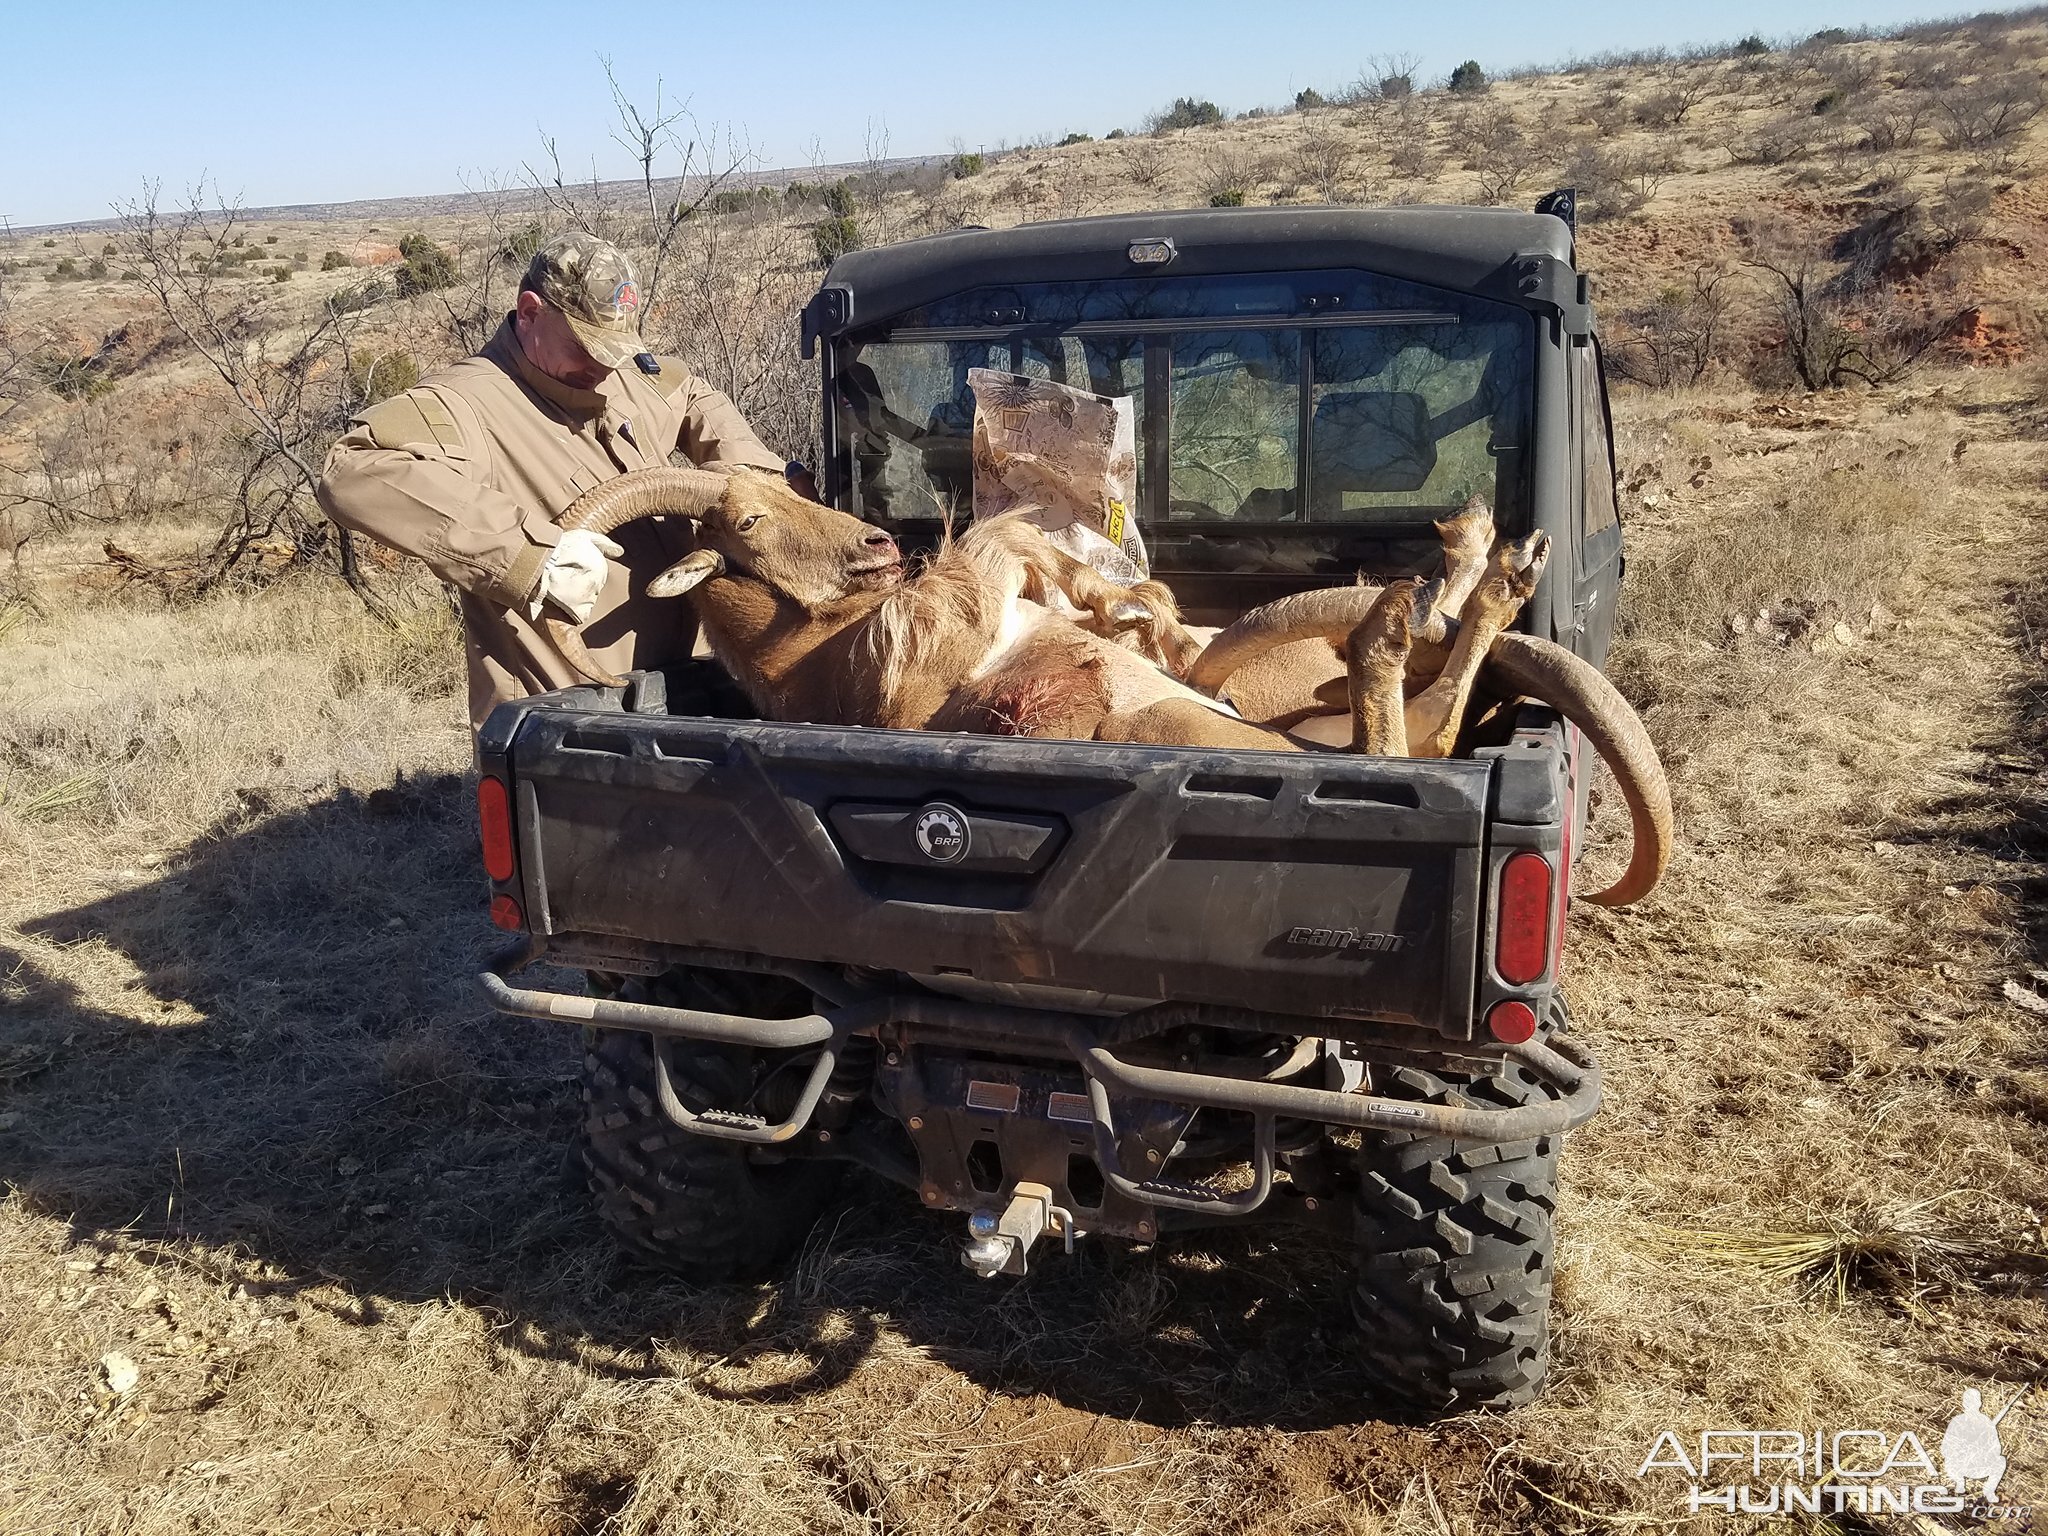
(301, 1087)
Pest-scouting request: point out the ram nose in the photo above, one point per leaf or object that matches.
(882, 545)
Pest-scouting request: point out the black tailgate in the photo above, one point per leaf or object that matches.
(1311, 884)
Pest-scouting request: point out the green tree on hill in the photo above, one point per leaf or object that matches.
(427, 266)
(1468, 79)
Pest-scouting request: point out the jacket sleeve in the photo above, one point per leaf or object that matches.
(713, 432)
(404, 474)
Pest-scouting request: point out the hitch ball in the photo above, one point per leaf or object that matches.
(1000, 1244)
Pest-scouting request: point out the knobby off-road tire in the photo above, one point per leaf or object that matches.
(705, 1209)
(1454, 1252)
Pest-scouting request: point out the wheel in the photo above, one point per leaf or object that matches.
(1454, 1251)
(705, 1209)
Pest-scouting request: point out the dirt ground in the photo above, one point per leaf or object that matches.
(261, 1141)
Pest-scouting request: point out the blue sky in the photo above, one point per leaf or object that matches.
(285, 102)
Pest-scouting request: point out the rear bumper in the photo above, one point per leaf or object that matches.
(904, 1018)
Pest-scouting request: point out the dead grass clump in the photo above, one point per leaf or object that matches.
(419, 655)
(1903, 1254)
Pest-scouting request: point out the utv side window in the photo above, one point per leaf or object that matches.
(1595, 459)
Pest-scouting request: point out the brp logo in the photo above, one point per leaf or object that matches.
(942, 834)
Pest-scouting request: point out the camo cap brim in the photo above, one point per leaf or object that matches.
(592, 282)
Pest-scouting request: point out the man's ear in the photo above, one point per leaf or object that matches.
(528, 304)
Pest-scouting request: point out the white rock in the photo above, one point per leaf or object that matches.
(2022, 997)
(121, 1373)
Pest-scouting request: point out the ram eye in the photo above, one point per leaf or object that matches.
(748, 522)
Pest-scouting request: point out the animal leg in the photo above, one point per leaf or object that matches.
(1468, 539)
(1436, 715)
(1468, 536)
(1376, 658)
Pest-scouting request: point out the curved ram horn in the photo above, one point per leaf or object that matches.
(664, 491)
(1552, 675)
(1328, 613)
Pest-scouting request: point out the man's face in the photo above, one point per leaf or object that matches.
(552, 347)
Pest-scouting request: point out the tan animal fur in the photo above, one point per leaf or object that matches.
(812, 613)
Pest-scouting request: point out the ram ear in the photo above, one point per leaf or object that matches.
(697, 566)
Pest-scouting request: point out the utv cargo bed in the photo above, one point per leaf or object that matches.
(1316, 885)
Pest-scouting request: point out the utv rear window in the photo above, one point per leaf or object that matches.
(1332, 398)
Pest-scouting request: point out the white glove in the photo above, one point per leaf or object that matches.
(574, 574)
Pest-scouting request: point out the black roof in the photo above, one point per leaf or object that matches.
(1472, 250)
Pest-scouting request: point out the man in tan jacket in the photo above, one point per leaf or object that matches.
(470, 468)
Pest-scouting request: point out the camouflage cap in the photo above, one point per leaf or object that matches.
(592, 283)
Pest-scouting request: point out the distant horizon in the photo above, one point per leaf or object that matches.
(283, 111)
(257, 212)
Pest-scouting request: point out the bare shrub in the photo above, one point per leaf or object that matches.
(1960, 209)
(1228, 174)
(1780, 142)
(1896, 241)
(1387, 77)
(1895, 122)
(737, 288)
(1679, 90)
(1323, 157)
(1833, 327)
(1613, 184)
(1850, 74)
(1494, 145)
(1610, 114)
(1061, 187)
(78, 467)
(1143, 161)
(1413, 157)
(290, 378)
(954, 206)
(1659, 109)
(1680, 335)
(1991, 109)
(1924, 67)
(14, 349)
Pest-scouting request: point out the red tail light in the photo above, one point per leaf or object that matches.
(1511, 1021)
(1522, 947)
(506, 914)
(494, 818)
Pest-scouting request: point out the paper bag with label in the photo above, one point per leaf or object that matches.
(1064, 458)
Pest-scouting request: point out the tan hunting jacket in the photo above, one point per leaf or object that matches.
(469, 469)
